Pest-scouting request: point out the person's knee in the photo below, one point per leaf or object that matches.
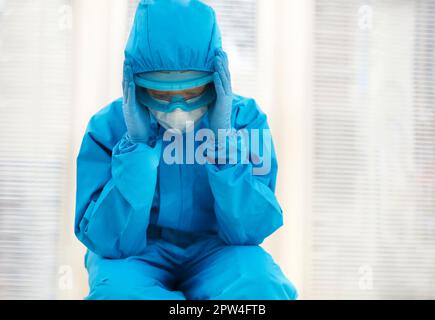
(260, 286)
(132, 288)
(270, 286)
(119, 289)
(259, 277)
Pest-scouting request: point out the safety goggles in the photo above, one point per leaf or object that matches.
(176, 101)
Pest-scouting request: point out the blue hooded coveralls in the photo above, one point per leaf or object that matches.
(159, 231)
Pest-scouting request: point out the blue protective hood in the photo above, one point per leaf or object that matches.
(173, 35)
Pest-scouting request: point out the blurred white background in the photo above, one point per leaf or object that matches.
(349, 88)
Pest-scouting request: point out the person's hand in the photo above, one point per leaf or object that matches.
(137, 117)
(220, 114)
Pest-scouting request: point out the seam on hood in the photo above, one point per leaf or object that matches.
(148, 26)
(213, 35)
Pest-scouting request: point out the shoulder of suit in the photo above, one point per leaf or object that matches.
(247, 112)
(107, 125)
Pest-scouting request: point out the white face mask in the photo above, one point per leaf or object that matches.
(179, 119)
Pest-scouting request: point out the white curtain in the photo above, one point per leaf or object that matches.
(35, 127)
(371, 230)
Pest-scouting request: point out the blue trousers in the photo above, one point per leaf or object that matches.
(179, 266)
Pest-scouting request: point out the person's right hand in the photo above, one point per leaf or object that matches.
(137, 117)
(220, 114)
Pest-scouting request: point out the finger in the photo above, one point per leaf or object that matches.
(220, 52)
(220, 68)
(217, 52)
(216, 62)
(128, 72)
(127, 66)
(125, 90)
(227, 70)
(125, 73)
(225, 64)
(131, 95)
(218, 84)
(126, 77)
(222, 58)
(225, 81)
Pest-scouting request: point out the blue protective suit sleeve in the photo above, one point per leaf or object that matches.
(246, 208)
(115, 190)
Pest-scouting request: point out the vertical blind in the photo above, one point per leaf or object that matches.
(238, 22)
(35, 104)
(372, 218)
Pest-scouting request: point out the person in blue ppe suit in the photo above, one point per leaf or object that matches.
(155, 230)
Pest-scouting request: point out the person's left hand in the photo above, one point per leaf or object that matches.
(220, 114)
